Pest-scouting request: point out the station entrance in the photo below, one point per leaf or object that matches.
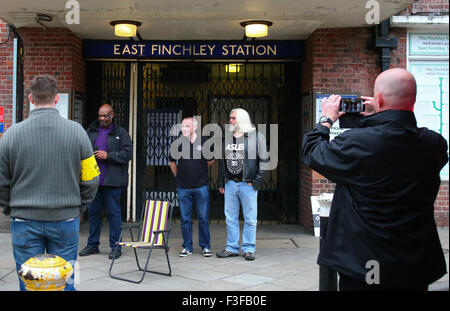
(150, 97)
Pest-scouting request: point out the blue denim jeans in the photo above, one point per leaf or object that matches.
(237, 194)
(30, 238)
(187, 197)
(109, 198)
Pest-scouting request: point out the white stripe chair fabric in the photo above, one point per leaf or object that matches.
(154, 233)
(155, 219)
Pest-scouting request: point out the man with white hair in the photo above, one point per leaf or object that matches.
(240, 177)
(381, 233)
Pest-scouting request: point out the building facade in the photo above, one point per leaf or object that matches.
(153, 83)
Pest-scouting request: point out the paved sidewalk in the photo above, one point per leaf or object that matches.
(285, 261)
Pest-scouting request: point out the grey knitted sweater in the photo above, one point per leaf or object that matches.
(41, 167)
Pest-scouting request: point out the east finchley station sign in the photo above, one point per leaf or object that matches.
(193, 49)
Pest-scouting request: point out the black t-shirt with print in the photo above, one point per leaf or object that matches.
(234, 158)
(192, 173)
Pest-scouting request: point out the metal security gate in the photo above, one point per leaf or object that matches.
(109, 83)
(167, 92)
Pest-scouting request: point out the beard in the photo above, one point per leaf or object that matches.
(233, 128)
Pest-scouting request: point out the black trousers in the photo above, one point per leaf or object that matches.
(350, 284)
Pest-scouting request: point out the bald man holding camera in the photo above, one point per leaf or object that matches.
(381, 233)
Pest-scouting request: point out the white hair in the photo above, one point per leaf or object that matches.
(243, 122)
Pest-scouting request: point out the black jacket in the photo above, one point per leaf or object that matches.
(120, 152)
(387, 179)
(255, 145)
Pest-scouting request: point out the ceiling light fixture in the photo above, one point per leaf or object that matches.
(256, 29)
(126, 28)
(233, 68)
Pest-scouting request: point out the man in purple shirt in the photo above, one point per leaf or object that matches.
(113, 150)
(101, 147)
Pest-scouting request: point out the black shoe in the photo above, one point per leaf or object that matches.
(184, 252)
(225, 254)
(249, 256)
(118, 254)
(88, 251)
(206, 252)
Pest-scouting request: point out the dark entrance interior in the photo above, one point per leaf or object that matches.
(168, 91)
(108, 83)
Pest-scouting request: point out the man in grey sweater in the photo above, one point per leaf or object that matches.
(48, 176)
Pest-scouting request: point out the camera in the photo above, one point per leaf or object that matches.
(352, 105)
(352, 108)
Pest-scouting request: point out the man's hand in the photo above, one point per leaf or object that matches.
(101, 155)
(330, 108)
(173, 168)
(221, 190)
(369, 106)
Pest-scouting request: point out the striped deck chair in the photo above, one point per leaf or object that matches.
(154, 231)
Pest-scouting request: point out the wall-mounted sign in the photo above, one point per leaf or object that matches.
(62, 105)
(194, 49)
(428, 44)
(2, 119)
(432, 103)
(77, 107)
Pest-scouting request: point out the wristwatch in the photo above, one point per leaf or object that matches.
(325, 119)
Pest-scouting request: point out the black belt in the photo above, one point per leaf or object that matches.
(236, 179)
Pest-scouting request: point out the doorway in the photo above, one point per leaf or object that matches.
(153, 96)
(167, 92)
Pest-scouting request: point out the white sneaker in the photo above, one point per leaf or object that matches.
(206, 252)
(184, 252)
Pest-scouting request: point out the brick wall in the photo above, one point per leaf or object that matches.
(340, 60)
(56, 51)
(441, 206)
(427, 7)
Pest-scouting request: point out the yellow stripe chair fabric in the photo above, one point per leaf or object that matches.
(155, 219)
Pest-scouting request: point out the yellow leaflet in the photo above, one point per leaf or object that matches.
(89, 169)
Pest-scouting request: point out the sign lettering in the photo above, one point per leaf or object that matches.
(428, 44)
(178, 49)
